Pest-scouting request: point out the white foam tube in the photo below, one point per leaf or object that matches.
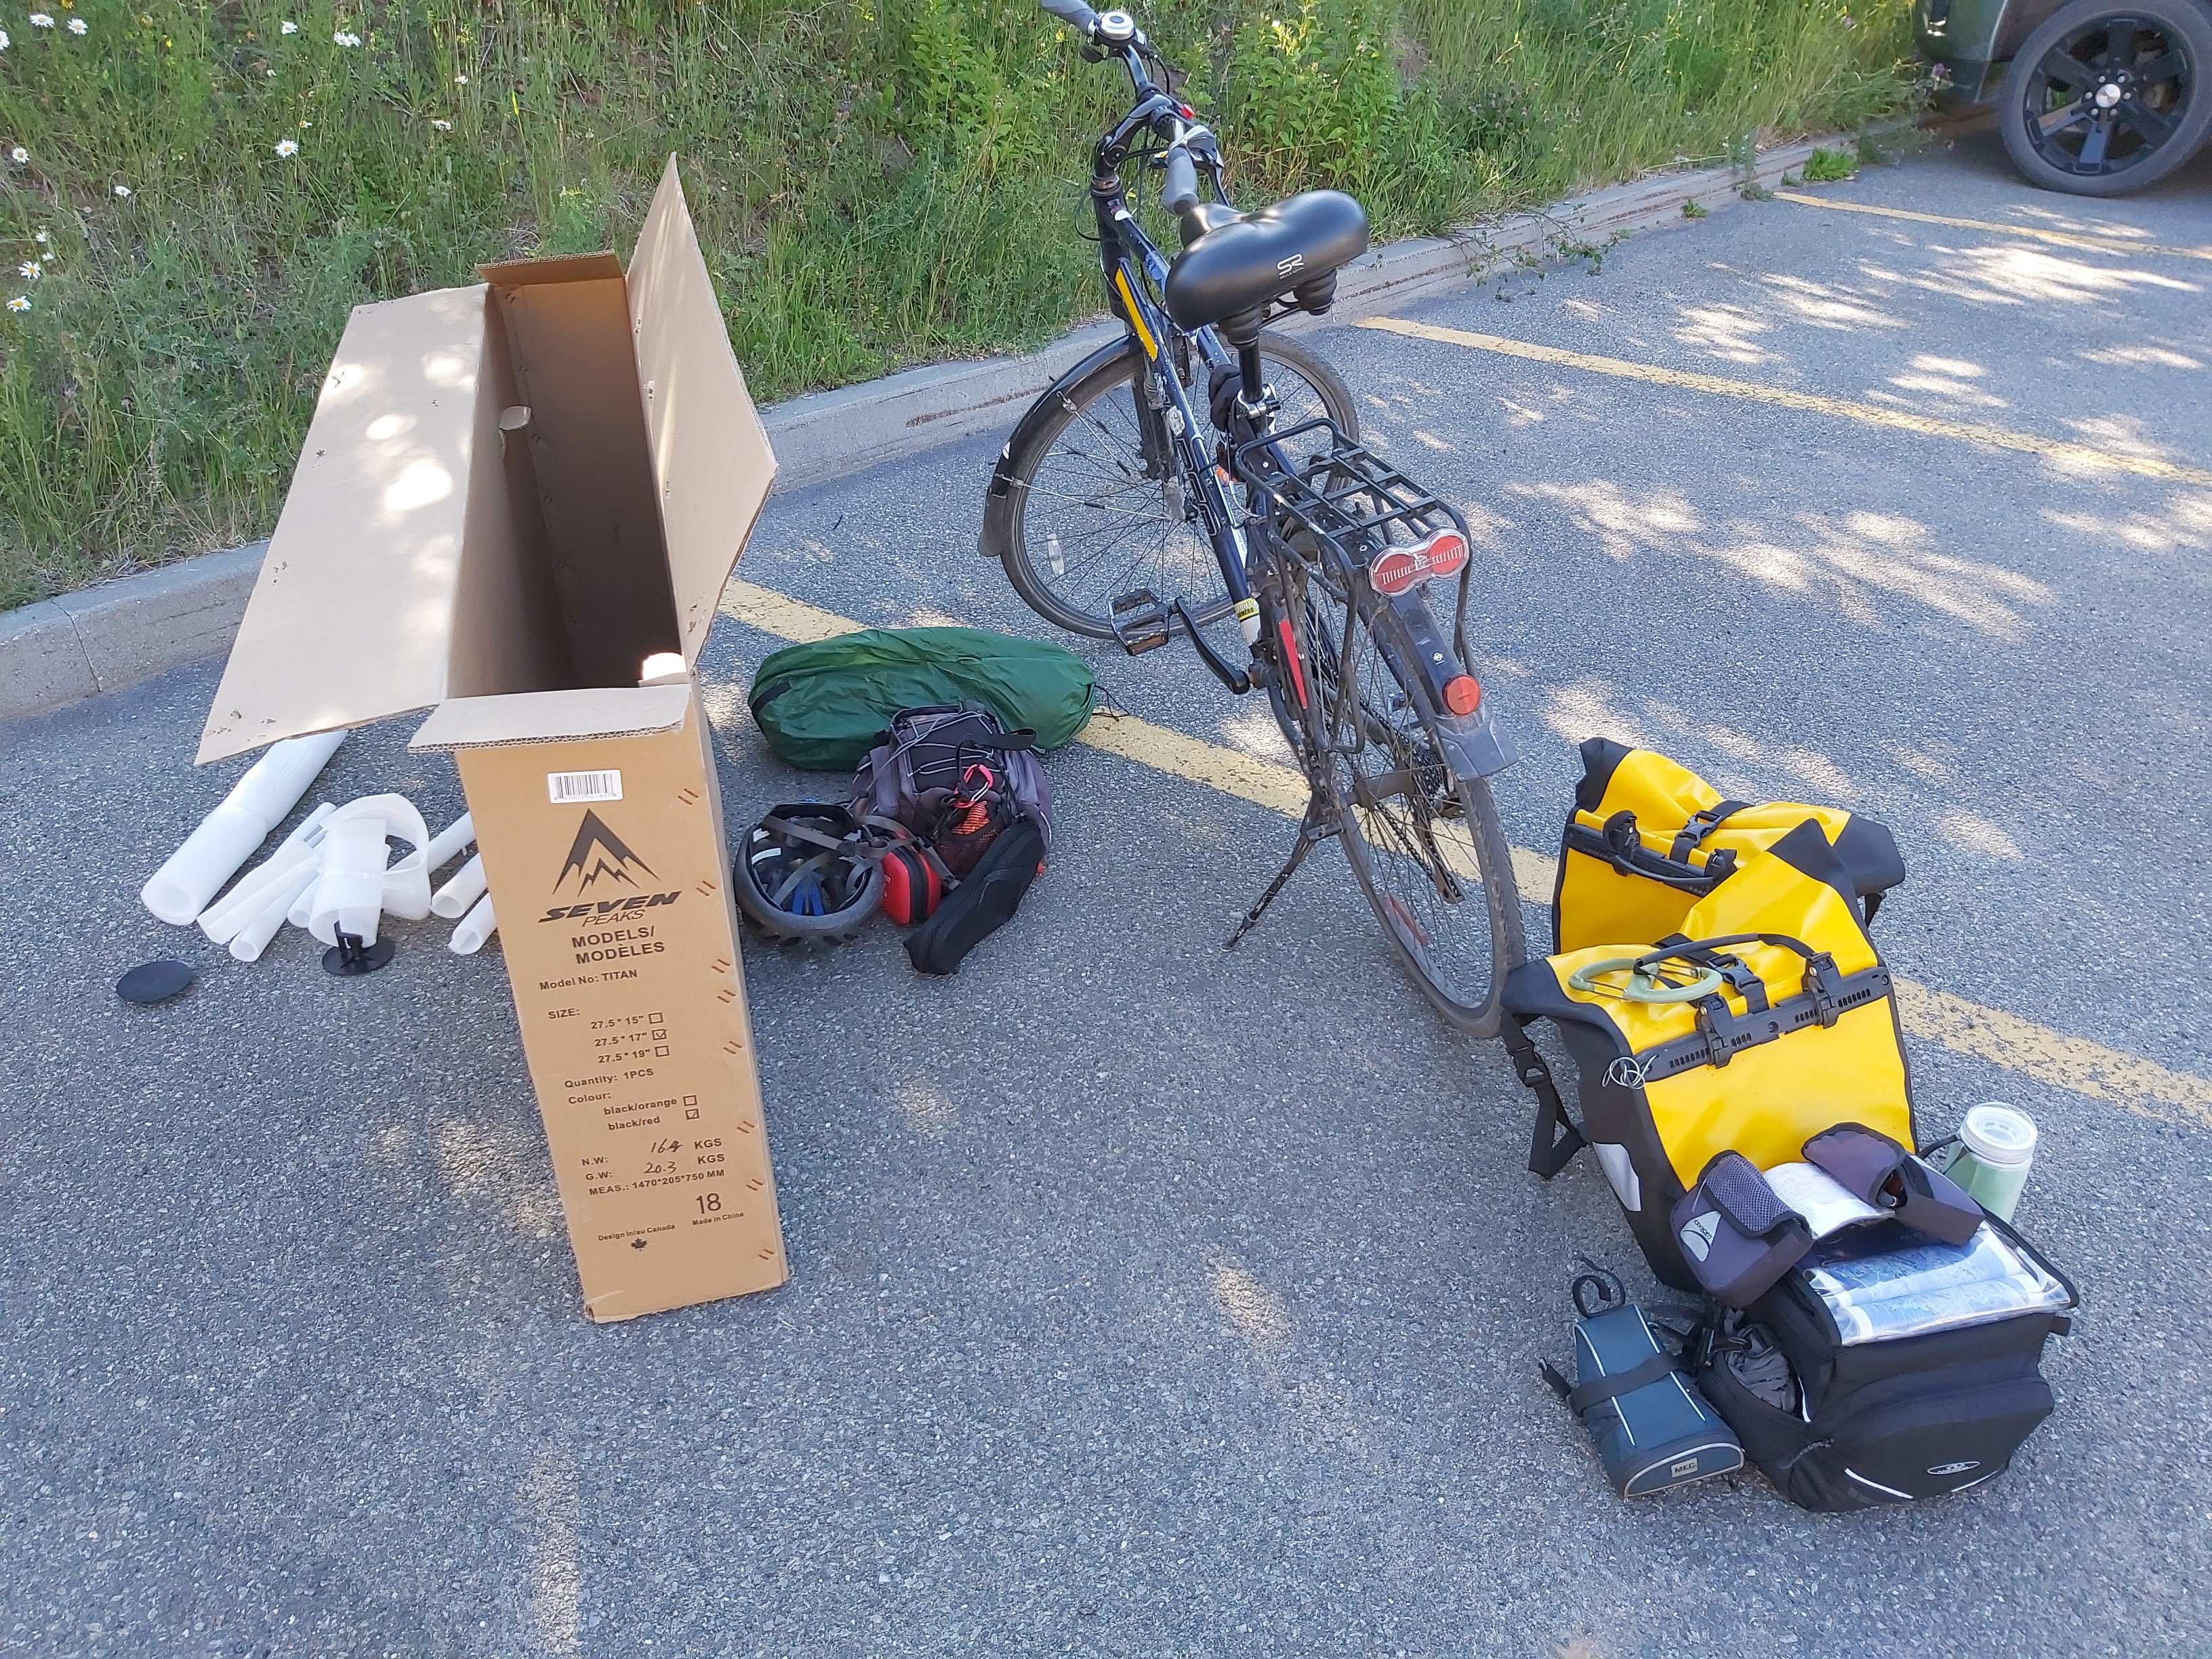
(466, 887)
(219, 919)
(474, 928)
(226, 838)
(348, 896)
(254, 934)
(447, 844)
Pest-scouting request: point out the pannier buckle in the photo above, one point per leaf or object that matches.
(1825, 986)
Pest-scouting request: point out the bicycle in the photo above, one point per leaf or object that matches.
(1324, 550)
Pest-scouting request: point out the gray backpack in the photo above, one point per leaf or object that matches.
(949, 775)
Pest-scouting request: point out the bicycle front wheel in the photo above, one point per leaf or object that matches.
(1426, 847)
(1101, 509)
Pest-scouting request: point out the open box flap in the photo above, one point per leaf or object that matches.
(710, 453)
(352, 616)
(554, 716)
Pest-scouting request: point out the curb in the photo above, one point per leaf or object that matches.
(112, 636)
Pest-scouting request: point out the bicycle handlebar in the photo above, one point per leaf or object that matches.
(1180, 193)
(1074, 12)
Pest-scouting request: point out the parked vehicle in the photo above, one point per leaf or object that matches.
(1201, 467)
(2093, 97)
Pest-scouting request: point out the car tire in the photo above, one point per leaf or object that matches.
(2081, 111)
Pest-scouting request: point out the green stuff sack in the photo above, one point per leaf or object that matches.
(823, 705)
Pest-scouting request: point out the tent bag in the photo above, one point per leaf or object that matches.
(1798, 1033)
(823, 705)
(1647, 838)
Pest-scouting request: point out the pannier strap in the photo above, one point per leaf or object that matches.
(1617, 845)
(1722, 1033)
(1555, 1140)
(1702, 824)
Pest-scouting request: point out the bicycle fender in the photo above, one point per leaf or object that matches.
(1474, 745)
(998, 504)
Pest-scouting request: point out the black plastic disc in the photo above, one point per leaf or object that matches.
(154, 981)
(339, 963)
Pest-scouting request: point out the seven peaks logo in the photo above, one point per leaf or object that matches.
(596, 852)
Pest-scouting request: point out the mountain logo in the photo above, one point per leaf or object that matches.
(599, 852)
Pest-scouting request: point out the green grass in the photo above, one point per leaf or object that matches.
(1828, 166)
(877, 183)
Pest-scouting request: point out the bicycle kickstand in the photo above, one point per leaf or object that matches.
(1311, 834)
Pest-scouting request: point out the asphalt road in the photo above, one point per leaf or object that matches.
(1147, 1299)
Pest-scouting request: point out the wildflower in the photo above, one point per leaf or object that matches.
(76, 26)
(123, 190)
(288, 26)
(4, 39)
(458, 80)
(42, 239)
(270, 71)
(30, 269)
(442, 126)
(18, 154)
(287, 147)
(40, 20)
(20, 302)
(346, 37)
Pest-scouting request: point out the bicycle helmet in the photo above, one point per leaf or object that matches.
(807, 871)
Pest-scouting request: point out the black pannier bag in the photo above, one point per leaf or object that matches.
(1647, 838)
(1855, 1421)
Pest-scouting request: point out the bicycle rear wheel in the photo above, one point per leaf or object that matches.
(1427, 848)
(1096, 512)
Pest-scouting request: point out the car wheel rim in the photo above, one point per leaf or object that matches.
(2108, 96)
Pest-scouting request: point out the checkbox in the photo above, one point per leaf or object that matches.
(653, 1020)
(662, 1050)
(690, 1111)
(690, 1100)
(660, 1036)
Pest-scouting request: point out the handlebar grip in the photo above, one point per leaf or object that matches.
(1180, 193)
(1074, 12)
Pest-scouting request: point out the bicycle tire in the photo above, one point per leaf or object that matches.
(1470, 1002)
(1040, 588)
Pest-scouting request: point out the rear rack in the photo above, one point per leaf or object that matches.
(1349, 495)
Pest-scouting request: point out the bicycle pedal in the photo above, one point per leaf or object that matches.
(1139, 622)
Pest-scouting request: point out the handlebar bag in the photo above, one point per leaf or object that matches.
(1800, 1034)
(1865, 1420)
(1647, 838)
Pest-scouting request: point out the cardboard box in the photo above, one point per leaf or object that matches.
(517, 506)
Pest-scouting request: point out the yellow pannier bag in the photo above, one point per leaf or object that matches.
(1649, 838)
(1767, 1018)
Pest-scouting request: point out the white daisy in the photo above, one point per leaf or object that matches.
(123, 190)
(287, 147)
(20, 302)
(458, 80)
(4, 39)
(288, 26)
(42, 239)
(346, 37)
(40, 20)
(29, 268)
(442, 126)
(76, 26)
(19, 153)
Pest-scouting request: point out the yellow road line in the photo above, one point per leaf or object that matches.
(1898, 420)
(1966, 1028)
(2060, 238)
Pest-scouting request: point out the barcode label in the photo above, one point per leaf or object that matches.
(562, 787)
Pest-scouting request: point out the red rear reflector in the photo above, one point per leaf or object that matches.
(1462, 694)
(1398, 570)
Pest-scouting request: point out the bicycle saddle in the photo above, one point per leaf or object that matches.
(1233, 266)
